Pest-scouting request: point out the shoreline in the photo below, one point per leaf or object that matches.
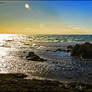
(59, 69)
(59, 65)
(15, 82)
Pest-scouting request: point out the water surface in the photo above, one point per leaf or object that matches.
(59, 65)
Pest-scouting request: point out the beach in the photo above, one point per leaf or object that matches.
(49, 61)
(59, 65)
(16, 83)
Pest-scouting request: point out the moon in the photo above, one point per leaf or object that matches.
(27, 6)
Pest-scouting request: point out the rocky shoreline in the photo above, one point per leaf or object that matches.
(17, 83)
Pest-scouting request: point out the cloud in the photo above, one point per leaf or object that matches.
(75, 27)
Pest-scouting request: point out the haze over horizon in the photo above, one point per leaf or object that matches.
(46, 17)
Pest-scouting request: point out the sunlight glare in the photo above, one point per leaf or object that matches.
(27, 5)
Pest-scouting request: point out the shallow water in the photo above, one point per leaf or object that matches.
(59, 65)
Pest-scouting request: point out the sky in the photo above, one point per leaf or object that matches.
(46, 17)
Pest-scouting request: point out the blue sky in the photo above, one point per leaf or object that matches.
(54, 17)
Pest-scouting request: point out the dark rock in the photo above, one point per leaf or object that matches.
(70, 47)
(34, 57)
(68, 50)
(59, 50)
(13, 75)
(20, 75)
(10, 83)
(47, 50)
(82, 51)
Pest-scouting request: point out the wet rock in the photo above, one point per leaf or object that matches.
(13, 75)
(48, 50)
(70, 47)
(68, 50)
(20, 75)
(60, 50)
(82, 51)
(32, 56)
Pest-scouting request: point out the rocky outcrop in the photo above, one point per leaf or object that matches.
(34, 57)
(82, 51)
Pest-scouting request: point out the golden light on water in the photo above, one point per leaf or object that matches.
(27, 5)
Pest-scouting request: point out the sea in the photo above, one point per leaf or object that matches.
(57, 65)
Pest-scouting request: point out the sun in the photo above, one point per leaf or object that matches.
(27, 5)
